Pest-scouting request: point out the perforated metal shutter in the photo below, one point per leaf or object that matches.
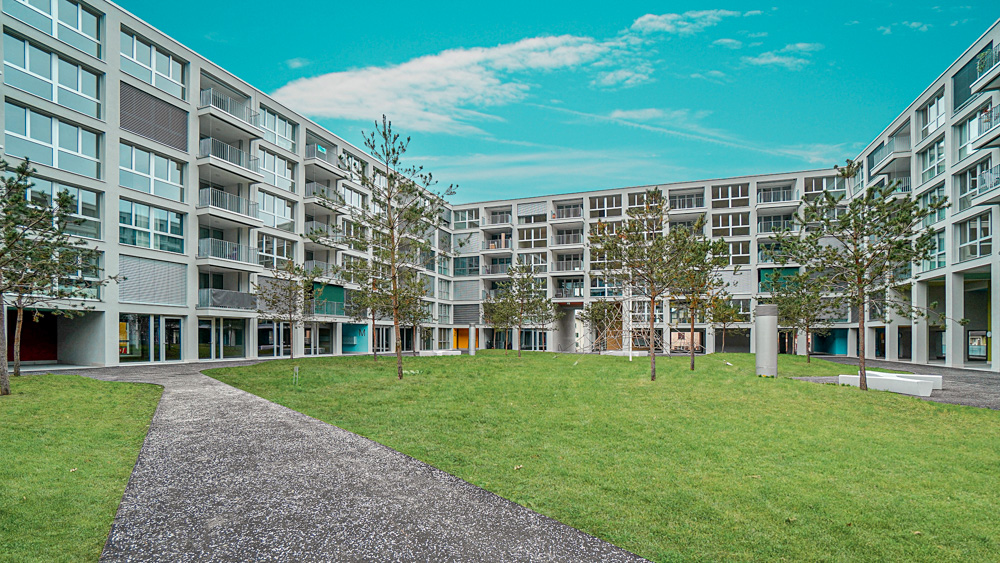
(534, 208)
(153, 282)
(471, 244)
(739, 282)
(153, 118)
(466, 291)
(466, 314)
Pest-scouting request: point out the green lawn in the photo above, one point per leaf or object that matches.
(712, 465)
(67, 448)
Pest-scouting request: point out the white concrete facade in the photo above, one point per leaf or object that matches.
(213, 182)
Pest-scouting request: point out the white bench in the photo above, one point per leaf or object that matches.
(890, 382)
(935, 379)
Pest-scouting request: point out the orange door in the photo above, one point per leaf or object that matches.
(461, 339)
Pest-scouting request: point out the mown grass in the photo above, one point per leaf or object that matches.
(710, 465)
(67, 447)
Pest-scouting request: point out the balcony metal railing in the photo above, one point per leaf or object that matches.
(903, 184)
(219, 149)
(325, 307)
(495, 269)
(565, 292)
(988, 119)
(315, 189)
(987, 61)
(225, 250)
(568, 213)
(322, 153)
(772, 226)
(212, 197)
(989, 180)
(499, 219)
(892, 144)
(688, 201)
(496, 244)
(326, 270)
(236, 108)
(777, 195)
(226, 299)
(567, 266)
(568, 238)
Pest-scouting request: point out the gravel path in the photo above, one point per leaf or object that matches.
(227, 476)
(970, 387)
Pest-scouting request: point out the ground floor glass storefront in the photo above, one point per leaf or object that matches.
(319, 338)
(273, 339)
(220, 338)
(148, 338)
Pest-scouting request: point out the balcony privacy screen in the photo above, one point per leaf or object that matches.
(153, 118)
(153, 282)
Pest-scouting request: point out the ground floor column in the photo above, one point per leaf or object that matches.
(955, 310)
(852, 343)
(920, 336)
(337, 346)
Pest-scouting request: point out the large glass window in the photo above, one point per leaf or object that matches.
(152, 65)
(276, 212)
(974, 238)
(932, 116)
(151, 173)
(965, 133)
(730, 224)
(927, 199)
(467, 266)
(46, 140)
(606, 206)
(735, 195)
(221, 338)
(932, 161)
(277, 171)
(277, 129)
(74, 24)
(968, 183)
(274, 252)
(150, 227)
(939, 255)
(86, 206)
(466, 219)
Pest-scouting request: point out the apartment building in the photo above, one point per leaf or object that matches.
(215, 184)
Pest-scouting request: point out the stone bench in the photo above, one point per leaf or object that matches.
(937, 380)
(896, 383)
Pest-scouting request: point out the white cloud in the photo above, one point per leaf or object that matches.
(918, 26)
(772, 58)
(728, 43)
(757, 35)
(297, 62)
(443, 92)
(886, 30)
(802, 47)
(716, 76)
(752, 13)
(688, 23)
(852, 22)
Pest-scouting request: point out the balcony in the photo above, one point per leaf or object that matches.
(777, 195)
(237, 112)
(568, 292)
(770, 226)
(237, 209)
(567, 213)
(495, 269)
(325, 157)
(225, 250)
(988, 67)
(989, 129)
(987, 192)
(686, 201)
(892, 157)
(230, 158)
(325, 232)
(323, 307)
(226, 299)
(567, 266)
(496, 245)
(325, 269)
(903, 185)
(568, 238)
(499, 219)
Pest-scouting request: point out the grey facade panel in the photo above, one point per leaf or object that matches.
(153, 118)
(154, 282)
(466, 290)
(533, 208)
(466, 314)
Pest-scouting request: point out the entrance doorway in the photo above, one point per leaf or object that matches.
(149, 338)
(274, 340)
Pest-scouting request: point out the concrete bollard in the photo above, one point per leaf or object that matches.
(765, 330)
(472, 340)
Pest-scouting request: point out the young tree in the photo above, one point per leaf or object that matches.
(857, 247)
(413, 311)
(522, 302)
(697, 271)
(371, 301)
(723, 314)
(395, 223)
(604, 319)
(288, 296)
(639, 258)
(500, 313)
(40, 262)
(802, 303)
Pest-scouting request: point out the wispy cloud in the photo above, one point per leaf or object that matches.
(906, 26)
(728, 43)
(802, 48)
(716, 76)
(688, 23)
(918, 26)
(297, 62)
(792, 56)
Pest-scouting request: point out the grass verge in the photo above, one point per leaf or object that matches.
(715, 464)
(67, 447)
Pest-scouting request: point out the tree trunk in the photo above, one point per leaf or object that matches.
(399, 345)
(691, 340)
(808, 355)
(414, 341)
(723, 341)
(291, 340)
(374, 338)
(518, 340)
(4, 374)
(652, 340)
(17, 341)
(862, 374)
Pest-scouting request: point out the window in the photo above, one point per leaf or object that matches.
(817, 185)
(277, 129)
(444, 289)
(150, 227)
(277, 171)
(772, 194)
(500, 217)
(640, 312)
(537, 261)
(530, 219)
(963, 79)
(75, 24)
(737, 195)
(54, 78)
(468, 266)
(931, 116)
(532, 237)
(638, 199)
(939, 256)
(86, 278)
(86, 206)
(601, 287)
(606, 206)
(966, 132)
(974, 238)
(444, 265)
(276, 212)
(152, 65)
(354, 165)
(927, 199)
(147, 172)
(274, 252)
(932, 160)
(772, 223)
(968, 183)
(687, 200)
(466, 219)
(730, 224)
(739, 252)
(568, 210)
(353, 197)
(46, 140)
(444, 313)
(444, 339)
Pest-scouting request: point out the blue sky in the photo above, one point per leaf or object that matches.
(519, 98)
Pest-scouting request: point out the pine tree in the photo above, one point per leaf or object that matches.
(289, 296)
(521, 302)
(723, 314)
(803, 304)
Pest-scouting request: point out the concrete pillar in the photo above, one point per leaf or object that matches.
(482, 339)
(709, 340)
(955, 310)
(994, 335)
(472, 340)
(852, 343)
(921, 337)
(371, 337)
(338, 339)
(892, 341)
(870, 341)
(766, 335)
(801, 343)
(416, 340)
